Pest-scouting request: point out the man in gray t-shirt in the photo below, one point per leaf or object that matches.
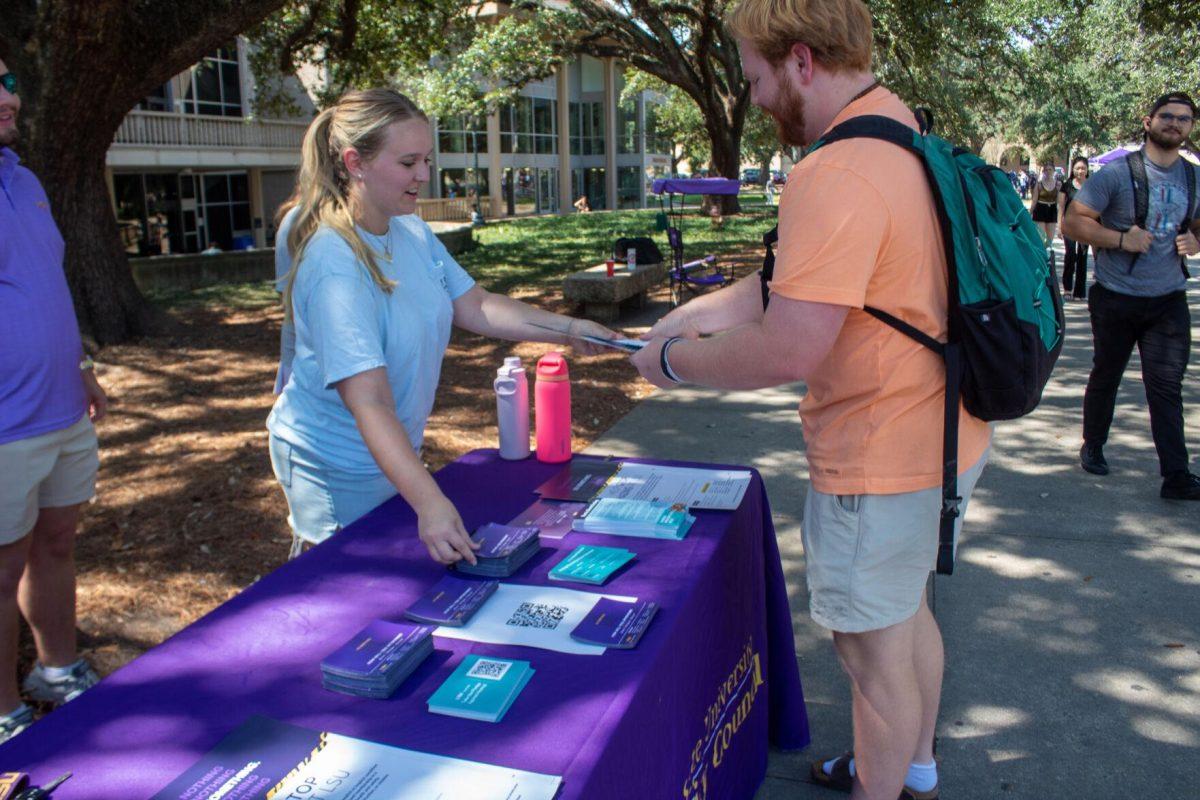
(1139, 296)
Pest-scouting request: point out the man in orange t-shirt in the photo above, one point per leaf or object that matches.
(857, 227)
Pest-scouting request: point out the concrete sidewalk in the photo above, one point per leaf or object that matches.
(1072, 623)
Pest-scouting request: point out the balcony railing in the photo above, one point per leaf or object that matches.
(164, 129)
(448, 209)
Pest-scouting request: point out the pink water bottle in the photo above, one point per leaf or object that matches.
(552, 409)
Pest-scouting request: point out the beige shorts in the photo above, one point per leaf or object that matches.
(868, 556)
(53, 470)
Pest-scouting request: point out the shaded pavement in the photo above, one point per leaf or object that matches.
(1072, 623)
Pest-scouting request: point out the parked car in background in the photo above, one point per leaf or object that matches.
(751, 176)
(778, 177)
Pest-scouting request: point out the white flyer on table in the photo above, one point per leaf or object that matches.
(716, 489)
(532, 616)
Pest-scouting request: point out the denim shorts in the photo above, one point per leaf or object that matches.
(868, 556)
(322, 500)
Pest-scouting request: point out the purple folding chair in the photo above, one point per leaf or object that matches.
(692, 276)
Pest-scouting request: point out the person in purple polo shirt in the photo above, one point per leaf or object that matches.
(49, 398)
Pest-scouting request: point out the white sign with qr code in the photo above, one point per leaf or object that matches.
(489, 670)
(531, 616)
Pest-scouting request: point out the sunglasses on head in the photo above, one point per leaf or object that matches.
(9, 82)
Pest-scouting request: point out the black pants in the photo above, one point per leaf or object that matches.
(1075, 268)
(1161, 327)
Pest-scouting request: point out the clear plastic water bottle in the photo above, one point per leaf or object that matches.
(631, 259)
(552, 409)
(512, 409)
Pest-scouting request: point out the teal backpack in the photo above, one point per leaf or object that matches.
(1006, 317)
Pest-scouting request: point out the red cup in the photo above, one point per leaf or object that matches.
(608, 266)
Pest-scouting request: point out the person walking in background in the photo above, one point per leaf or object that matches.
(1075, 261)
(1139, 296)
(1043, 202)
(49, 398)
(372, 294)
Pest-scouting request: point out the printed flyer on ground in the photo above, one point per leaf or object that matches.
(268, 760)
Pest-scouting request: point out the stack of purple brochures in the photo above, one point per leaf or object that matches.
(452, 601)
(377, 659)
(502, 549)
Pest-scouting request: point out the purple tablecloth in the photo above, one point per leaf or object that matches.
(688, 713)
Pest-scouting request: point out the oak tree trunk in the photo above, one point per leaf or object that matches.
(83, 65)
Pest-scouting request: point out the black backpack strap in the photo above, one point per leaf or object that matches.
(767, 273)
(951, 501)
(1141, 193)
(872, 126)
(924, 120)
(1191, 213)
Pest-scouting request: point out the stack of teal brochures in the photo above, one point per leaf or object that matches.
(591, 564)
(635, 518)
(481, 688)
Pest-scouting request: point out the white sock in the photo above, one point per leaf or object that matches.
(921, 777)
(56, 673)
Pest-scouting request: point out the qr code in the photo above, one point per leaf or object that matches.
(491, 670)
(537, 615)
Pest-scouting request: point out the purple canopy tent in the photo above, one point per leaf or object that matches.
(1113, 155)
(686, 276)
(696, 186)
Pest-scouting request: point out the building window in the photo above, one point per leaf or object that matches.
(629, 189)
(589, 183)
(463, 183)
(462, 134)
(529, 125)
(148, 213)
(587, 129)
(655, 141)
(226, 209)
(158, 100)
(214, 86)
(628, 132)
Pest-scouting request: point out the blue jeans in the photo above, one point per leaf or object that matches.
(321, 499)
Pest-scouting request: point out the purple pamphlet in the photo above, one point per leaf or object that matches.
(579, 481)
(501, 541)
(377, 649)
(614, 623)
(551, 517)
(452, 601)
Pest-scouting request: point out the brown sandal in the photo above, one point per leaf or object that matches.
(839, 779)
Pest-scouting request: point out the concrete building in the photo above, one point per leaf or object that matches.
(192, 168)
(564, 138)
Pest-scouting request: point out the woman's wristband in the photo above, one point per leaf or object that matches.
(665, 364)
(1121, 241)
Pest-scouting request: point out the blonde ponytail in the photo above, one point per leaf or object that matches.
(360, 120)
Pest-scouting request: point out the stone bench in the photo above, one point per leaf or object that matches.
(601, 296)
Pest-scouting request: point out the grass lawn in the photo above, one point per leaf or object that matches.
(536, 252)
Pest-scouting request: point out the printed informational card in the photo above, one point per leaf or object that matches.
(451, 601)
(377, 649)
(532, 616)
(613, 623)
(717, 489)
(591, 564)
(580, 480)
(501, 541)
(552, 518)
(264, 758)
(481, 688)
